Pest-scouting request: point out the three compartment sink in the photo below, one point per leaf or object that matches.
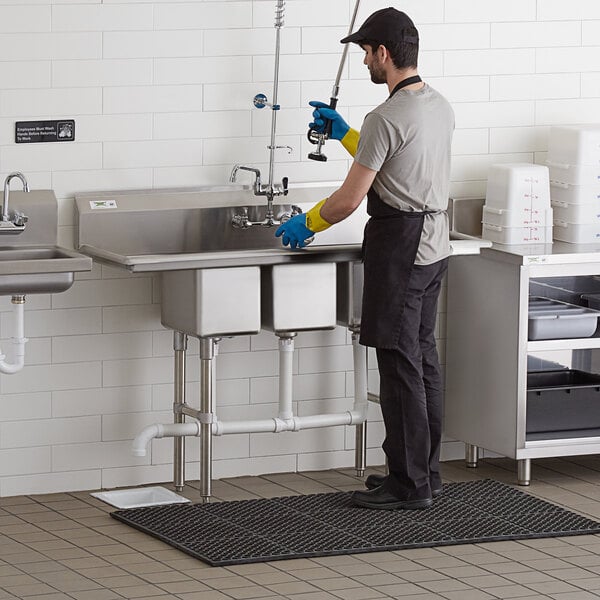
(39, 269)
(220, 280)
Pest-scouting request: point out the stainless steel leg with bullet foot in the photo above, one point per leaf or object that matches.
(471, 455)
(361, 394)
(180, 348)
(524, 471)
(207, 355)
(360, 449)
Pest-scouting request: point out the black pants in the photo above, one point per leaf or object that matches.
(411, 390)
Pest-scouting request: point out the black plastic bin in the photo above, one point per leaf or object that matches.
(564, 400)
(569, 288)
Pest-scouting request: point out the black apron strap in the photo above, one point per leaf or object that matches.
(404, 83)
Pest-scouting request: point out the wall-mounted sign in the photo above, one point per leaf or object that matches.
(31, 132)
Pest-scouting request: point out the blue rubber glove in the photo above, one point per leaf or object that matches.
(322, 112)
(294, 232)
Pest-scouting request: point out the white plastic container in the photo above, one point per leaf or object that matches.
(574, 194)
(514, 186)
(575, 144)
(521, 217)
(577, 233)
(574, 174)
(576, 213)
(516, 235)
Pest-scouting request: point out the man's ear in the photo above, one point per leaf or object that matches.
(382, 53)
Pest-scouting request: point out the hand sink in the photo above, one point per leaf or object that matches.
(39, 269)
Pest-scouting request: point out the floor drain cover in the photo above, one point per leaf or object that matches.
(247, 531)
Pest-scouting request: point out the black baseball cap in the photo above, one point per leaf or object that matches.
(386, 25)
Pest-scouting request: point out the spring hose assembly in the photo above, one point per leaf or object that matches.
(319, 137)
(271, 189)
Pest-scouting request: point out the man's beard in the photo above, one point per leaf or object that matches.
(377, 73)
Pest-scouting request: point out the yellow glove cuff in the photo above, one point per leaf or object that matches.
(314, 221)
(350, 141)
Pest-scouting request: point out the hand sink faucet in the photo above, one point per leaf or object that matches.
(17, 223)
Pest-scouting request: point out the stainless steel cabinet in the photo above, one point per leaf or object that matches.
(488, 351)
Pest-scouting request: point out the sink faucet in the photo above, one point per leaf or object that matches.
(260, 190)
(17, 223)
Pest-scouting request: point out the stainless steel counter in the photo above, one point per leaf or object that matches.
(550, 254)
(209, 260)
(166, 230)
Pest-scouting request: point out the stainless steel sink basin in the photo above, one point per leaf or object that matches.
(39, 269)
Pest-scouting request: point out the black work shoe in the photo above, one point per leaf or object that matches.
(381, 499)
(374, 481)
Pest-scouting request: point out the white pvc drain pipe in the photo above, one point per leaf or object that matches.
(285, 421)
(18, 339)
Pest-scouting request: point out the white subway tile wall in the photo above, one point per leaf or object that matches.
(161, 93)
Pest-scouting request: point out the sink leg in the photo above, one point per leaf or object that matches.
(361, 394)
(180, 347)
(207, 355)
(360, 449)
(524, 471)
(471, 455)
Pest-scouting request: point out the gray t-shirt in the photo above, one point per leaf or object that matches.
(407, 140)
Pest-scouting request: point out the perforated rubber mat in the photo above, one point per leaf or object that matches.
(246, 531)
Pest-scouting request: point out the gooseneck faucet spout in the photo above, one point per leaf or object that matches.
(258, 191)
(7, 191)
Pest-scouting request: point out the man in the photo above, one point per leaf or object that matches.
(402, 164)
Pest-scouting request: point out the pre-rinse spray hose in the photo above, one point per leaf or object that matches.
(314, 137)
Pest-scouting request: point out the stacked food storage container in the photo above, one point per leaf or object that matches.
(517, 205)
(574, 161)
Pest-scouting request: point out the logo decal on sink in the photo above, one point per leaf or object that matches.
(103, 204)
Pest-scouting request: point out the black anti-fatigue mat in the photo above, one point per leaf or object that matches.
(247, 531)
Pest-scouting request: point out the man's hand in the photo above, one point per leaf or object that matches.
(340, 130)
(299, 229)
(295, 232)
(321, 114)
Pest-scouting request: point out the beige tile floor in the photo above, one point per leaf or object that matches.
(65, 546)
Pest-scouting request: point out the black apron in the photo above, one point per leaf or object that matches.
(390, 245)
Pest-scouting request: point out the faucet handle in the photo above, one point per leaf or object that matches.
(286, 216)
(20, 219)
(241, 221)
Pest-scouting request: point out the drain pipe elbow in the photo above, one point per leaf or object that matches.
(142, 439)
(158, 430)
